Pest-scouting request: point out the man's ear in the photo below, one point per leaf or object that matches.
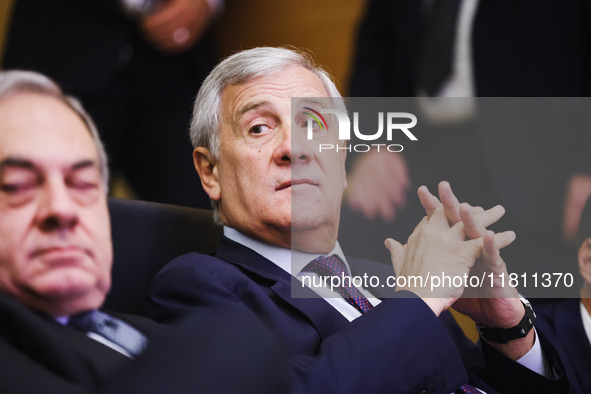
(585, 260)
(207, 167)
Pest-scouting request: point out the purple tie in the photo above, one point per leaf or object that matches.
(333, 266)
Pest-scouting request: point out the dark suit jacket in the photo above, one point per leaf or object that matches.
(399, 346)
(536, 42)
(520, 48)
(227, 352)
(39, 355)
(564, 325)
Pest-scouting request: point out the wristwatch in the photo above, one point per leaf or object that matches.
(504, 335)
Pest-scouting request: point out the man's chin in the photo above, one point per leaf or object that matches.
(305, 221)
(309, 236)
(70, 295)
(67, 304)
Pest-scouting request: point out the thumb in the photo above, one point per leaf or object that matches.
(397, 254)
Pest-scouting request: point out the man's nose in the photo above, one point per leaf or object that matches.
(57, 209)
(293, 147)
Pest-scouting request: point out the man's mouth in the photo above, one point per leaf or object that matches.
(60, 252)
(294, 182)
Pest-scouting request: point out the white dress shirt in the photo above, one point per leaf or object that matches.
(586, 321)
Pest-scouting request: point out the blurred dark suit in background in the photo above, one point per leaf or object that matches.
(516, 48)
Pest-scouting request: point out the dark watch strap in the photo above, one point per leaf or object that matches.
(504, 335)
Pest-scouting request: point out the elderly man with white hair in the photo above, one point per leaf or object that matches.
(279, 200)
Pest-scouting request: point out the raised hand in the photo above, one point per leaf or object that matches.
(436, 250)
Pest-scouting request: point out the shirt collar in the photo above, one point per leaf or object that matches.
(291, 261)
(586, 320)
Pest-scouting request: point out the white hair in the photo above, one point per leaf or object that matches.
(241, 68)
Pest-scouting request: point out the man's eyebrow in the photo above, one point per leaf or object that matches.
(321, 102)
(17, 162)
(250, 107)
(84, 164)
(26, 164)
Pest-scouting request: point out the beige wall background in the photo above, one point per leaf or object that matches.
(5, 12)
(326, 28)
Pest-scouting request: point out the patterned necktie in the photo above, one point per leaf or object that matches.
(333, 266)
(468, 389)
(439, 37)
(113, 329)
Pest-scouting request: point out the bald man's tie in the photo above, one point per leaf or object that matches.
(111, 328)
(328, 266)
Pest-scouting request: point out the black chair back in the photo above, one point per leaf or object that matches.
(148, 235)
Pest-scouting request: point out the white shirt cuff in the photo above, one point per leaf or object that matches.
(535, 360)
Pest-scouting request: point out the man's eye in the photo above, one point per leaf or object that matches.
(81, 185)
(84, 183)
(259, 129)
(84, 190)
(15, 187)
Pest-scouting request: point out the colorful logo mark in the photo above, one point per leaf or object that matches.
(315, 116)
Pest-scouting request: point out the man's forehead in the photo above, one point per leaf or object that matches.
(27, 107)
(294, 81)
(37, 127)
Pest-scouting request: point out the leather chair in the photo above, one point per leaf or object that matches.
(146, 236)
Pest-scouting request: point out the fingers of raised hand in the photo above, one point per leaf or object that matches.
(474, 220)
(450, 202)
(429, 202)
(397, 253)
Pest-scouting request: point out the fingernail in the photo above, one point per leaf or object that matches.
(387, 244)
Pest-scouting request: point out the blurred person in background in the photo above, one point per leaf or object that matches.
(471, 49)
(568, 321)
(136, 65)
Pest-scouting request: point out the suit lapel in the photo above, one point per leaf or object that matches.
(322, 315)
(571, 333)
(61, 349)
